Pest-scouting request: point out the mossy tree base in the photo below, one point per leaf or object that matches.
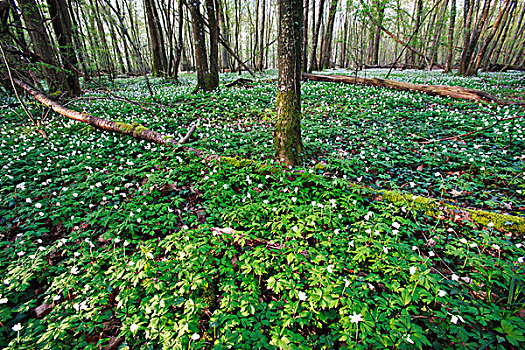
(287, 135)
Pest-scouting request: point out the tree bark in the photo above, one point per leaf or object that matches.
(156, 38)
(433, 90)
(474, 66)
(207, 80)
(178, 51)
(287, 140)
(452, 24)
(493, 55)
(380, 11)
(261, 37)
(315, 38)
(42, 46)
(418, 12)
(326, 52)
(305, 36)
(61, 21)
(213, 27)
(468, 51)
(135, 130)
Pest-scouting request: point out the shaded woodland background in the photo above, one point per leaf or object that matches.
(58, 41)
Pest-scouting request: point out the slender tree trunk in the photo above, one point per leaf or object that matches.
(261, 44)
(315, 38)
(473, 67)
(80, 48)
(207, 74)
(41, 43)
(344, 49)
(178, 52)
(437, 36)
(494, 53)
(418, 12)
(287, 136)
(237, 30)
(379, 6)
(327, 43)
(156, 39)
(225, 32)
(305, 36)
(452, 24)
(61, 22)
(99, 35)
(214, 43)
(468, 51)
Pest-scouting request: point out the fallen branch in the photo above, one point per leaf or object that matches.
(433, 90)
(135, 130)
(241, 82)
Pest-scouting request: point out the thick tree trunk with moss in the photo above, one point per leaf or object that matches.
(287, 136)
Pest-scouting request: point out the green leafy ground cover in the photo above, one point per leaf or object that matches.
(115, 234)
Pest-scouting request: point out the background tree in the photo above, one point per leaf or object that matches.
(207, 66)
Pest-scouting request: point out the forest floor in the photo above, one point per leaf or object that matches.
(111, 242)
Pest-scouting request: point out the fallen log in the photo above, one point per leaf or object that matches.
(135, 130)
(433, 90)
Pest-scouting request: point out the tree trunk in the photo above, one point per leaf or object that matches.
(287, 136)
(305, 36)
(156, 39)
(380, 11)
(433, 90)
(326, 52)
(214, 43)
(315, 38)
(261, 43)
(437, 36)
(418, 12)
(207, 73)
(41, 44)
(225, 33)
(61, 21)
(468, 51)
(452, 24)
(178, 52)
(474, 66)
(494, 53)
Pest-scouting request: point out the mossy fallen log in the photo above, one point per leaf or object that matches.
(135, 130)
(439, 209)
(457, 92)
(429, 206)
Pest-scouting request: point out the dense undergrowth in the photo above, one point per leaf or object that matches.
(110, 240)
